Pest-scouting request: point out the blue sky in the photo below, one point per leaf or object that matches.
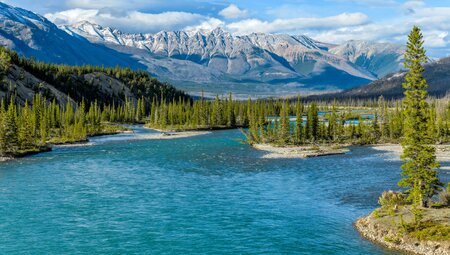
(333, 21)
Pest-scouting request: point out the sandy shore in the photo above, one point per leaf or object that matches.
(171, 135)
(298, 151)
(442, 150)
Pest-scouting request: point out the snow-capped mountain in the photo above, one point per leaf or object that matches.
(378, 58)
(33, 35)
(210, 60)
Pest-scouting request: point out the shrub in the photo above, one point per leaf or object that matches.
(431, 231)
(391, 200)
(444, 198)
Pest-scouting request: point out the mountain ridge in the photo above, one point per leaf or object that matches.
(295, 61)
(214, 61)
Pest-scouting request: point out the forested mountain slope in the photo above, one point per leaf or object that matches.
(24, 78)
(436, 73)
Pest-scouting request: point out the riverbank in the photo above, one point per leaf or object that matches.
(174, 129)
(24, 153)
(433, 238)
(306, 151)
(63, 142)
(442, 150)
(171, 134)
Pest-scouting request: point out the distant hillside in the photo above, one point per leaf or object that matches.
(25, 77)
(436, 73)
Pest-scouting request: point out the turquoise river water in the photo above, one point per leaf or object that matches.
(207, 194)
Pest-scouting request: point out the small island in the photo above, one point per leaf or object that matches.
(300, 151)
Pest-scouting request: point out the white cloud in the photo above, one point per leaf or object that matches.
(132, 21)
(71, 16)
(434, 21)
(289, 25)
(208, 24)
(99, 4)
(368, 32)
(437, 39)
(233, 12)
(380, 3)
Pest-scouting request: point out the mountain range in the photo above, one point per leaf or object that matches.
(390, 87)
(215, 61)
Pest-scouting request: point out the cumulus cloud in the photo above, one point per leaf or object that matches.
(370, 2)
(208, 24)
(288, 25)
(233, 12)
(434, 20)
(71, 16)
(132, 21)
(369, 32)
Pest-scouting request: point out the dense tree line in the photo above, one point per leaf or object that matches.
(30, 128)
(295, 123)
(202, 113)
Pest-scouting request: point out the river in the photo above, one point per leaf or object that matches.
(206, 194)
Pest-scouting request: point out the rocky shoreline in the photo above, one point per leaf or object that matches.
(388, 236)
(299, 151)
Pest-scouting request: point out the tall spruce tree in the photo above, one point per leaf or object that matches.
(9, 142)
(419, 169)
(312, 123)
(298, 121)
(284, 134)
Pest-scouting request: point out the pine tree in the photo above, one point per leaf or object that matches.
(5, 61)
(9, 142)
(312, 123)
(230, 112)
(284, 134)
(26, 140)
(420, 176)
(298, 122)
